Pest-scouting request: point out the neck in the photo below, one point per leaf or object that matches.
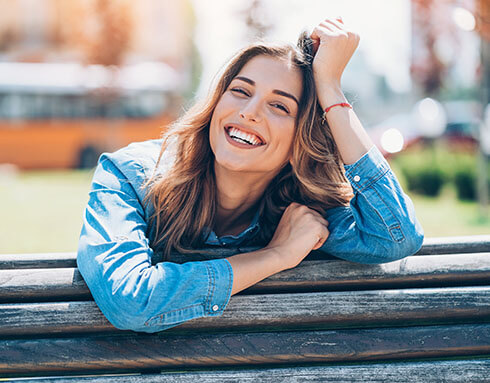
(238, 197)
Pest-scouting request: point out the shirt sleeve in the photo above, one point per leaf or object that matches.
(114, 259)
(379, 225)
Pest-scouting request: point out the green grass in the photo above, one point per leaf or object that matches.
(42, 212)
(446, 216)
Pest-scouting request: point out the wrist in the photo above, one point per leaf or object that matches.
(330, 93)
(276, 254)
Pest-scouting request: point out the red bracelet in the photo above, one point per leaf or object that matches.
(342, 104)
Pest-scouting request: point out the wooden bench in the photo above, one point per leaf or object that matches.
(424, 318)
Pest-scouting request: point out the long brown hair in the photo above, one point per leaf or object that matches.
(184, 195)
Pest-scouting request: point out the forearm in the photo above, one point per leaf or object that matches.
(350, 136)
(250, 268)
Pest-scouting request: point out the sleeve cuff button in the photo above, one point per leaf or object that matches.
(215, 308)
(357, 178)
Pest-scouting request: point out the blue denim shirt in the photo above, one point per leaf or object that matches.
(136, 290)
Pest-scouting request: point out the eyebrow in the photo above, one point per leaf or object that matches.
(276, 91)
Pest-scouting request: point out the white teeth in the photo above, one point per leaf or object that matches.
(249, 138)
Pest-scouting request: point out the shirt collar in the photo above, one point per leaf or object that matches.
(248, 233)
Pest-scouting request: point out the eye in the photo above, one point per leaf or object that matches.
(280, 107)
(240, 91)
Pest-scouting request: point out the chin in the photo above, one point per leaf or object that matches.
(235, 164)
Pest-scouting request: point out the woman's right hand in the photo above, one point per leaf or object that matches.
(300, 231)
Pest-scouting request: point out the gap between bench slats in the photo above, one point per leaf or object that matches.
(454, 371)
(431, 246)
(274, 312)
(31, 285)
(134, 352)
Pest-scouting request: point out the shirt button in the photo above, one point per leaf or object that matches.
(357, 178)
(215, 308)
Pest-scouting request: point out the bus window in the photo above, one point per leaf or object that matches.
(69, 125)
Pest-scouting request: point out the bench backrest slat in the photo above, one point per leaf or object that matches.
(274, 311)
(453, 371)
(38, 285)
(431, 246)
(135, 352)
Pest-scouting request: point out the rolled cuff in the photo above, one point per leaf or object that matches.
(366, 170)
(220, 283)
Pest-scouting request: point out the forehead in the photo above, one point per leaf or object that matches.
(274, 73)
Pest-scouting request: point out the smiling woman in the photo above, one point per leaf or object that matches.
(272, 164)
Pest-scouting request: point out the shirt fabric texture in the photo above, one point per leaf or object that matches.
(136, 290)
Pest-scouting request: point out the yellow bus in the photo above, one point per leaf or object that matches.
(65, 115)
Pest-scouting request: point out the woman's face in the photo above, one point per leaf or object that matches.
(253, 124)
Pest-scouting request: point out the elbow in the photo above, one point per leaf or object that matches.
(127, 319)
(122, 311)
(118, 308)
(412, 240)
(417, 239)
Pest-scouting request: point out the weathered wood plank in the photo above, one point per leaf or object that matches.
(275, 311)
(37, 260)
(56, 284)
(453, 245)
(140, 352)
(455, 371)
(431, 246)
(37, 285)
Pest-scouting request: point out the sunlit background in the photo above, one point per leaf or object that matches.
(81, 77)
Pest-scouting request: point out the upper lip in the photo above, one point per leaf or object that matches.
(246, 130)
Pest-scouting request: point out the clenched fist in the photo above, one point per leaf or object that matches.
(334, 45)
(300, 231)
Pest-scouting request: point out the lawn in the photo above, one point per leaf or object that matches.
(42, 211)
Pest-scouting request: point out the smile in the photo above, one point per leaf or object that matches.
(243, 138)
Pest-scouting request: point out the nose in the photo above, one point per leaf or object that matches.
(251, 111)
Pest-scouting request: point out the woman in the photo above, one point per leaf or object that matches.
(243, 186)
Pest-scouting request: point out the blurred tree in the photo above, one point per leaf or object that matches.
(483, 19)
(483, 28)
(430, 24)
(109, 37)
(256, 20)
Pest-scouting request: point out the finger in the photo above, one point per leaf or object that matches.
(318, 216)
(336, 25)
(324, 30)
(293, 206)
(327, 27)
(316, 41)
(322, 240)
(320, 219)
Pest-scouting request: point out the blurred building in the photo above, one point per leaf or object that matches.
(80, 77)
(96, 31)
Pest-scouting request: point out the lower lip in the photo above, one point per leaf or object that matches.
(239, 144)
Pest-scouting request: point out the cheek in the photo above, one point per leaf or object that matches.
(285, 139)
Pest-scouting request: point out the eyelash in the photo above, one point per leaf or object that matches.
(280, 106)
(275, 105)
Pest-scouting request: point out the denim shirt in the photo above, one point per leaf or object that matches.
(136, 290)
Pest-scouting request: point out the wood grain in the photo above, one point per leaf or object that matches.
(66, 284)
(135, 352)
(274, 311)
(431, 246)
(454, 371)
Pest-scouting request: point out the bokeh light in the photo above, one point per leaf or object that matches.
(464, 19)
(392, 141)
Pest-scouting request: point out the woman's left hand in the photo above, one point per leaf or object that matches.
(334, 46)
